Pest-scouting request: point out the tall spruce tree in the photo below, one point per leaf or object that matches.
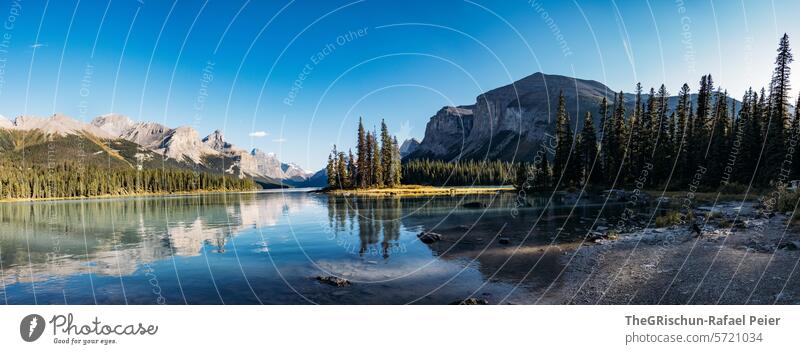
(589, 153)
(565, 166)
(617, 143)
(376, 165)
(369, 169)
(386, 155)
(718, 150)
(330, 170)
(363, 158)
(700, 130)
(396, 164)
(352, 169)
(682, 138)
(606, 136)
(775, 150)
(663, 128)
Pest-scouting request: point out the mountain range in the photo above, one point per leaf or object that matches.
(115, 139)
(509, 123)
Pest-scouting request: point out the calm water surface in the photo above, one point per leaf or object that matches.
(268, 247)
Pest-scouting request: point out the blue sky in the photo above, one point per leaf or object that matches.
(303, 71)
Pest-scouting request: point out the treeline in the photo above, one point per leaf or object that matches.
(376, 166)
(460, 173)
(705, 144)
(69, 180)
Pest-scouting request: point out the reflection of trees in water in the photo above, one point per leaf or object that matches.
(378, 221)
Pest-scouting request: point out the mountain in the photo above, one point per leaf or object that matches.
(511, 122)
(58, 124)
(408, 146)
(183, 143)
(116, 140)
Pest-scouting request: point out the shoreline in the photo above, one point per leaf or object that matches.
(417, 190)
(672, 265)
(133, 195)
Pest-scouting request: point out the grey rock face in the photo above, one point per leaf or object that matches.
(114, 124)
(408, 147)
(508, 123)
(216, 141)
(57, 124)
(445, 133)
(182, 143)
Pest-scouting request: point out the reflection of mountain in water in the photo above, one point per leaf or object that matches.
(115, 237)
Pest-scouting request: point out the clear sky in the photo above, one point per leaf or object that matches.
(292, 77)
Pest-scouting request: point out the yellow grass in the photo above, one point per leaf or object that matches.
(417, 190)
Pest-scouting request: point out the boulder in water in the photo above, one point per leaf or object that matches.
(470, 301)
(474, 205)
(333, 281)
(429, 237)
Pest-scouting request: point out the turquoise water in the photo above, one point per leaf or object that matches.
(268, 247)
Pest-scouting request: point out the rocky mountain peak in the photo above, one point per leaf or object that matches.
(408, 147)
(181, 143)
(216, 141)
(57, 124)
(114, 124)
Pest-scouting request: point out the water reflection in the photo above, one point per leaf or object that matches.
(113, 237)
(265, 248)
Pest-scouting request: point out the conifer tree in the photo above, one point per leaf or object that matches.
(521, 177)
(375, 166)
(341, 170)
(564, 165)
(396, 164)
(369, 172)
(778, 117)
(363, 160)
(718, 150)
(617, 141)
(386, 155)
(330, 169)
(544, 175)
(663, 128)
(682, 136)
(588, 150)
(606, 137)
(352, 169)
(700, 130)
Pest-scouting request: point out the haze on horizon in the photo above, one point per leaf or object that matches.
(294, 76)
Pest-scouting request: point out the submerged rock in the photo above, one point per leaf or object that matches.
(474, 205)
(470, 301)
(503, 241)
(429, 237)
(333, 281)
(789, 245)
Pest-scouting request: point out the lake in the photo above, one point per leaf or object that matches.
(269, 247)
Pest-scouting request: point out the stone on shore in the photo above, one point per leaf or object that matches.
(333, 281)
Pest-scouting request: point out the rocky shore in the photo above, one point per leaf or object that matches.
(742, 256)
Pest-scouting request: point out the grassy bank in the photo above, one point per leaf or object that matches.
(417, 190)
